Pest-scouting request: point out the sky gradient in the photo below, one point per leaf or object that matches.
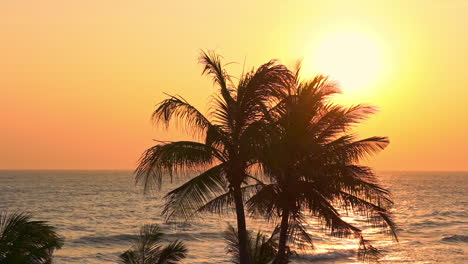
(79, 79)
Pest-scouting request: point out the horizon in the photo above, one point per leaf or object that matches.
(132, 170)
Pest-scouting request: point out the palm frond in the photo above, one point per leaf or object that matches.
(217, 138)
(232, 243)
(311, 95)
(223, 114)
(376, 214)
(23, 240)
(128, 257)
(324, 210)
(172, 253)
(358, 180)
(171, 158)
(224, 203)
(254, 138)
(147, 248)
(367, 252)
(346, 150)
(151, 234)
(258, 87)
(262, 248)
(298, 234)
(213, 67)
(178, 108)
(185, 200)
(264, 202)
(338, 119)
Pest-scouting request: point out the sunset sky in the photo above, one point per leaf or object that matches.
(79, 79)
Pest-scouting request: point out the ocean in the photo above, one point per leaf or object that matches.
(100, 212)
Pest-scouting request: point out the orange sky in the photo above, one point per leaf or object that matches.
(79, 79)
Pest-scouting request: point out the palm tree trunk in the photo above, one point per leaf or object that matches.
(282, 257)
(241, 226)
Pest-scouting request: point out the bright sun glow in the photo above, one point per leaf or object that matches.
(354, 60)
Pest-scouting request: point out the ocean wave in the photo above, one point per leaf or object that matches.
(105, 239)
(125, 238)
(333, 255)
(447, 213)
(455, 238)
(193, 236)
(430, 223)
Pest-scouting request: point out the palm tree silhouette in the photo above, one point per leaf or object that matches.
(262, 248)
(147, 248)
(25, 241)
(226, 154)
(311, 161)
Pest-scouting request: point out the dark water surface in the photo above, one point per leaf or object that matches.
(99, 212)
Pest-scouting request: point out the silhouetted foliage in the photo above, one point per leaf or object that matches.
(278, 143)
(262, 248)
(311, 162)
(25, 241)
(147, 249)
(225, 155)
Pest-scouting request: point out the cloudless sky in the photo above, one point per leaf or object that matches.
(79, 79)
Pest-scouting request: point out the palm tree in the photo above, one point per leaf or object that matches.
(224, 157)
(312, 164)
(25, 241)
(147, 249)
(262, 249)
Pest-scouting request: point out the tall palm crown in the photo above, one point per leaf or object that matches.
(147, 249)
(25, 241)
(311, 161)
(226, 153)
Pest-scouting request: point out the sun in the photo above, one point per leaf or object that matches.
(352, 59)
